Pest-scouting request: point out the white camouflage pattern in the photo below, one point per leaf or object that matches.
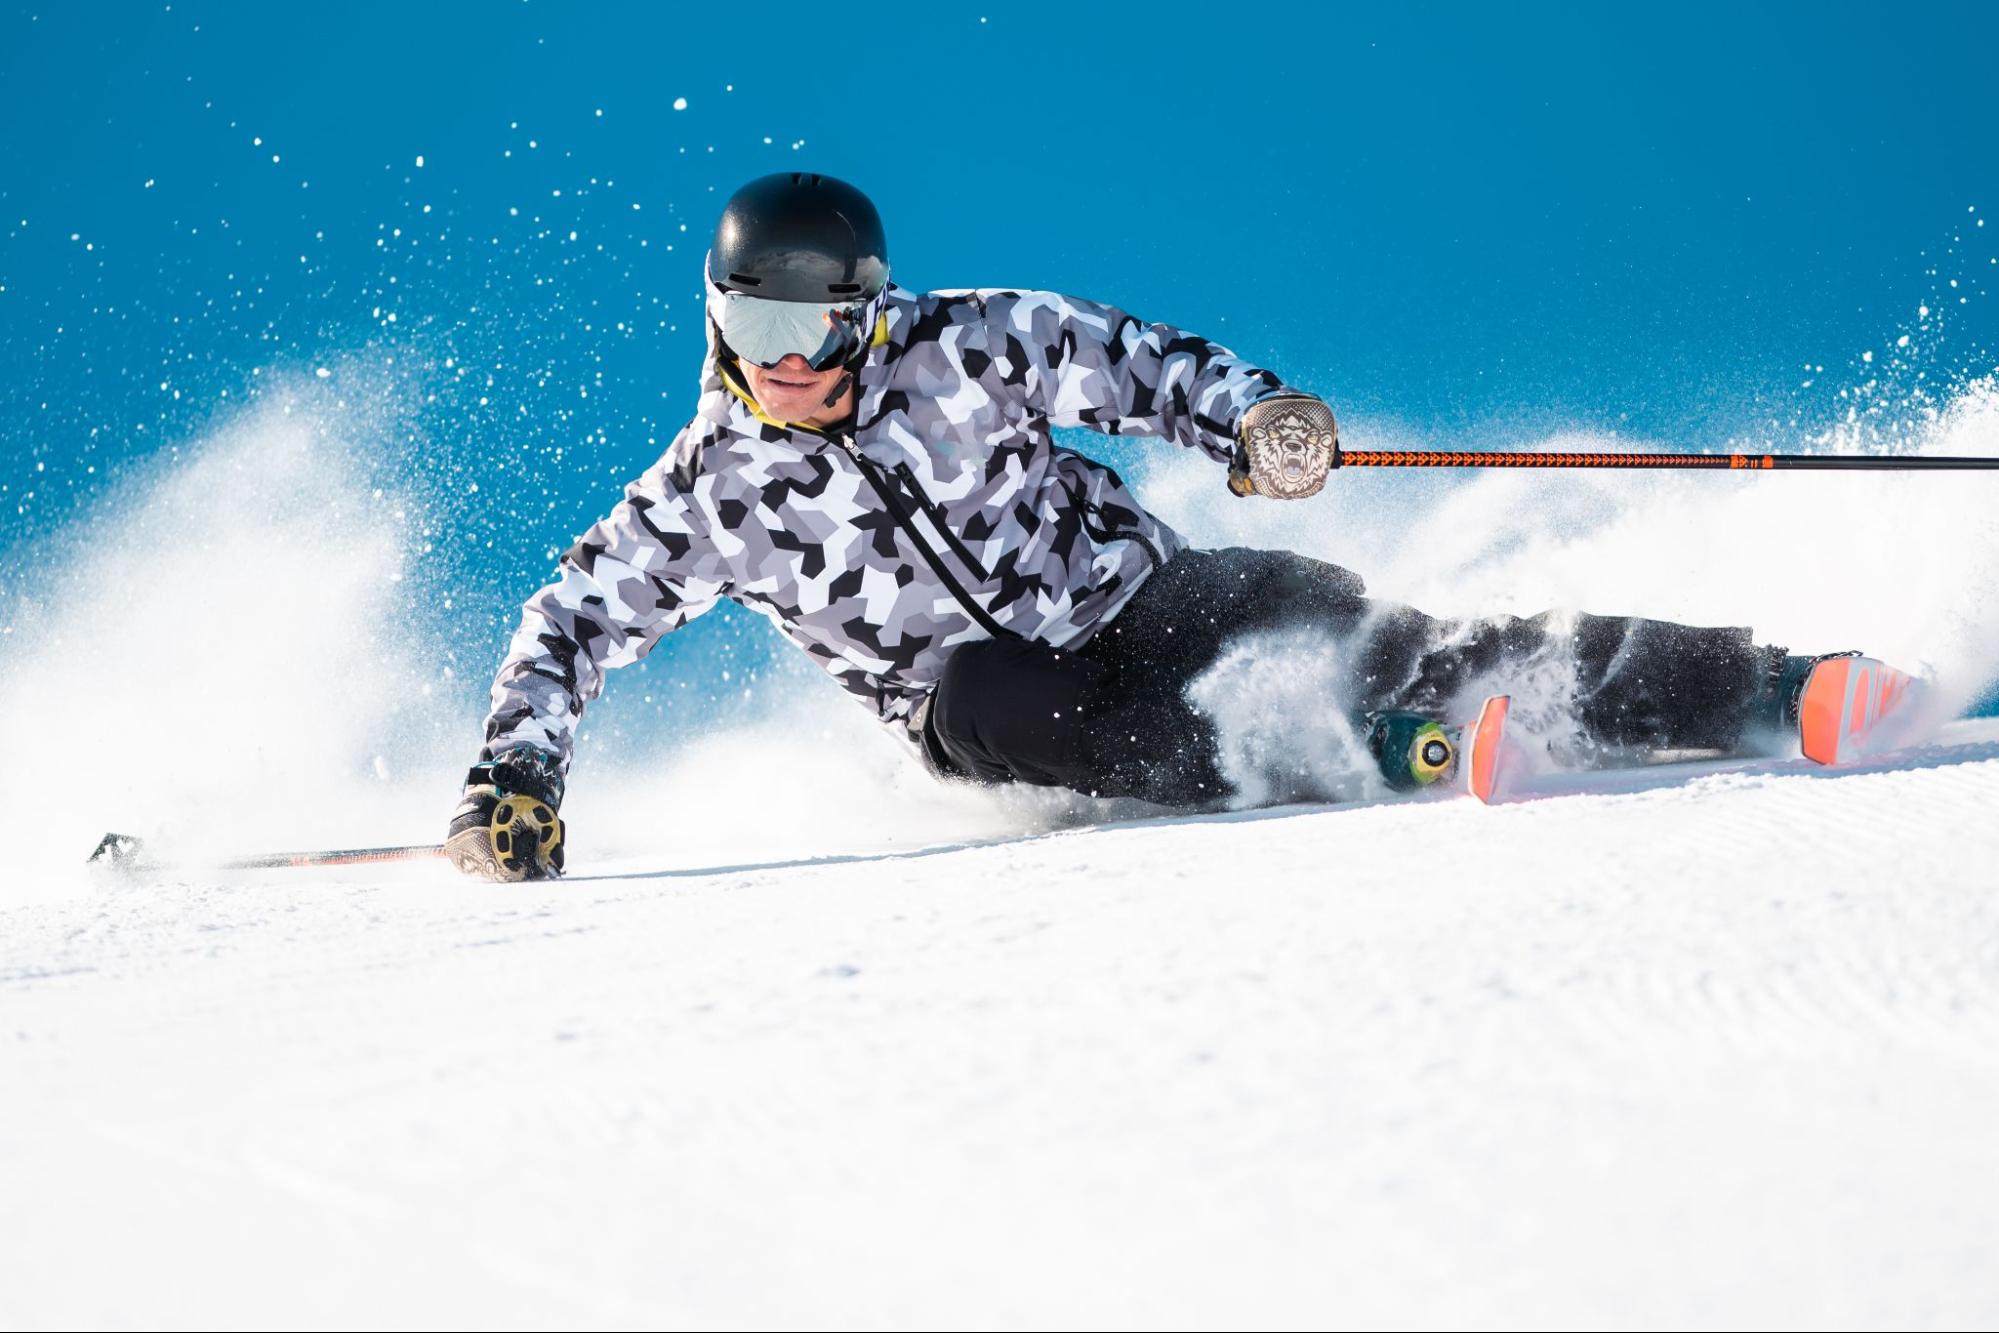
(958, 396)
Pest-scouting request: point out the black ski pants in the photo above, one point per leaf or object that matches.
(1113, 718)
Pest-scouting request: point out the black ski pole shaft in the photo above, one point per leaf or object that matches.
(1503, 458)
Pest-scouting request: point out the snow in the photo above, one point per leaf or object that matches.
(807, 1038)
(1720, 1052)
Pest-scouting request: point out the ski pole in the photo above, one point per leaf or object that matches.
(122, 852)
(1718, 462)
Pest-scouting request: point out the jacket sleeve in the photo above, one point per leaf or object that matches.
(648, 568)
(1083, 364)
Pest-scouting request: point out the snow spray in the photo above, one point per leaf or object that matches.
(229, 650)
(1900, 565)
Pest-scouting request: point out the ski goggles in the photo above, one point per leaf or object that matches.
(763, 332)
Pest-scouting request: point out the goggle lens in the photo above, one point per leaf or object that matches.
(764, 332)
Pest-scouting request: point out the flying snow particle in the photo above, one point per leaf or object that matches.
(321, 372)
(1902, 341)
(680, 104)
(419, 160)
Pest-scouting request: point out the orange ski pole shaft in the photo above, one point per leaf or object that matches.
(1712, 462)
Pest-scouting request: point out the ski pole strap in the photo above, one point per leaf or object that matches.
(1716, 462)
(523, 770)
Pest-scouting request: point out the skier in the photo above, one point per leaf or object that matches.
(873, 470)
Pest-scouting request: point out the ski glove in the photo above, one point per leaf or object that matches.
(1285, 446)
(505, 827)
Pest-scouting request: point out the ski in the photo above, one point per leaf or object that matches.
(1852, 712)
(1485, 750)
(1853, 708)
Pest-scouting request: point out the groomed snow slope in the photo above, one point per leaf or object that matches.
(1667, 1050)
(1714, 1052)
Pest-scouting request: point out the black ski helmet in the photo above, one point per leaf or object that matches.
(798, 236)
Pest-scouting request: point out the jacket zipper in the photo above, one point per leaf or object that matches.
(930, 507)
(869, 471)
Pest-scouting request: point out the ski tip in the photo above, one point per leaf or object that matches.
(1488, 738)
(1853, 707)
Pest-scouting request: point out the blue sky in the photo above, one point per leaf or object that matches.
(1477, 222)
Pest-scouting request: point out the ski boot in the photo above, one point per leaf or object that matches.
(1415, 752)
(1412, 751)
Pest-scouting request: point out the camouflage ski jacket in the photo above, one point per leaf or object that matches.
(945, 514)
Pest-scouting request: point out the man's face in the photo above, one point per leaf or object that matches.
(794, 391)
